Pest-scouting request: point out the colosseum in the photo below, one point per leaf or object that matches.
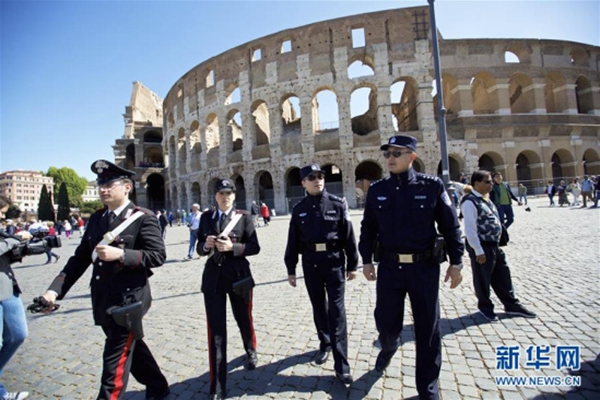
(529, 108)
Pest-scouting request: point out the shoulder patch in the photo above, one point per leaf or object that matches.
(244, 212)
(336, 198)
(144, 210)
(379, 181)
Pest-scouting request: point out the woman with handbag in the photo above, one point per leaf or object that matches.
(227, 237)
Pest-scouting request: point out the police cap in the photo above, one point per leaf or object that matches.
(405, 141)
(309, 169)
(108, 172)
(224, 184)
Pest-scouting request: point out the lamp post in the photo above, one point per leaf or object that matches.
(441, 111)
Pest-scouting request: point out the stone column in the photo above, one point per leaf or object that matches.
(466, 97)
(539, 97)
(308, 136)
(570, 91)
(502, 87)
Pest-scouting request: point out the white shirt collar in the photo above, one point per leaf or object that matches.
(120, 209)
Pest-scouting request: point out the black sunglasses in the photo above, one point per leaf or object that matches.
(312, 177)
(395, 153)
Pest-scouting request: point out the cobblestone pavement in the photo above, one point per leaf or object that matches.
(554, 258)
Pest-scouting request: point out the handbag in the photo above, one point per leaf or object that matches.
(504, 238)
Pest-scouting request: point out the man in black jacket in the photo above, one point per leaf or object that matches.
(121, 268)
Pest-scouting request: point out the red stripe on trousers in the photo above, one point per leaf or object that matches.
(121, 369)
(210, 349)
(251, 322)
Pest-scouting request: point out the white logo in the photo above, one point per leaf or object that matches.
(314, 167)
(393, 140)
(101, 166)
(302, 215)
(382, 198)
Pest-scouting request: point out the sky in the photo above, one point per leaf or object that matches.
(67, 67)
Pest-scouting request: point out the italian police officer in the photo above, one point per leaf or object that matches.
(320, 230)
(227, 237)
(399, 227)
(123, 242)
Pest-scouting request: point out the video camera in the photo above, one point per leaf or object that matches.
(37, 245)
(40, 304)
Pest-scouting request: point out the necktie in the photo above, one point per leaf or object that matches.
(111, 217)
(222, 222)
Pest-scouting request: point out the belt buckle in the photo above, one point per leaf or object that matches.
(320, 246)
(109, 237)
(405, 258)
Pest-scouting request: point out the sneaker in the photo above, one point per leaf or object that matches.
(57, 258)
(186, 258)
(519, 310)
(15, 395)
(489, 315)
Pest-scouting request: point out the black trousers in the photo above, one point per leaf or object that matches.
(421, 282)
(123, 354)
(326, 287)
(495, 273)
(216, 321)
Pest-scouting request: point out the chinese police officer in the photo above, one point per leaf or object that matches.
(320, 230)
(399, 221)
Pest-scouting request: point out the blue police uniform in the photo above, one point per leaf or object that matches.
(320, 230)
(400, 215)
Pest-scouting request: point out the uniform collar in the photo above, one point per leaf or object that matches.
(316, 198)
(120, 209)
(406, 176)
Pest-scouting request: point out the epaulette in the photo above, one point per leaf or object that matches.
(379, 181)
(336, 198)
(207, 212)
(144, 210)
(299, 202)
(243, 212)
(427, 177)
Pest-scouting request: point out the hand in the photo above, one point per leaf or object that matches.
(480, 259)
(455, 276)
(24, 235)
(350, 275)
(51, 299)
(369, 272)
(224, 244)
(211, 242)
(519, 203)
(109, 253)
(292, 280)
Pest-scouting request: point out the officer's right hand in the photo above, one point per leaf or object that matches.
(292, 280)
(211, 242)
(51, 299)
(369, 272)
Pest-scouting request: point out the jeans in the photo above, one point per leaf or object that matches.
(506, 211)
(193, 239)
(523, 198)
(13, 329)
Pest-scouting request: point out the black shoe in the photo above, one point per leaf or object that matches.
(321, 357)
(252, 360)
(346, 379)
(489, 315)
(521, 311)
(217, 396)
(57, 258)
(382, 362)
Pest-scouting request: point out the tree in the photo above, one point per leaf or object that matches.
(45, 208)
(75, 184)
(63, 203)
(13, 212)
(89, 207)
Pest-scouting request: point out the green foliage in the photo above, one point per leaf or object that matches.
(75, 184)
(45, 209)
(13, 212)
(63, 203)
(89, 207)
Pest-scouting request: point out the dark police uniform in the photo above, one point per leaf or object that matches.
(320, 230)
(111, 281)
(400, 214)
(220, 272)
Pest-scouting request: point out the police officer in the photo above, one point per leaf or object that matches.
(227, 237)
(399, 220)
(121, 268)
(320, 230)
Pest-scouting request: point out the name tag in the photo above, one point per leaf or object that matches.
(420, 197)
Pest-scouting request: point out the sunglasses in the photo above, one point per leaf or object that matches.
(488, 181)
(395, 153)
(312, 177)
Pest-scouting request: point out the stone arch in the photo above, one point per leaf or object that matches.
(529, 168)
(489, 160)
(153, 157)
(484, 93)
(210, 189)
(334, 181)
(196, 193)
(155, 192)
(580, 57)
(263, 183)
(521, 50)
(455, 163)
(234, 136)
(364, 99)
(520, 91)
(212, 131)
(325, 111)
(591, 162)
(555, 93)
(172, 155)
(152, 136)
(195, 146)
(563, 165)
(583, 92)
(261, 129)
(451, 95)
(174, 197)
(130, 157)
(240, 192)
(404, 100)
(170, 120)
(181, 152)
(294, 192)
(291, 114)
(361, 68)
(183, 198)
(367, 172)
(232, 94)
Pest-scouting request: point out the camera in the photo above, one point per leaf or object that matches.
(37, 245)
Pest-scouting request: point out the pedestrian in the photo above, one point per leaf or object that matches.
(400, 217)
(264, 211)
(227, 237)
(597, 191)
(587, 188)
(178, 217)
(121, 269)
(81, 225)
(67, 227)
(170, 218)
(523, 193)
(561, 190)
(255, 210)
(13, 324)
(551, 192)
(575, 191)
(502, 197)
(162, 222)
(49, 252)
(193, 226)
(483, 229)
(320, 230)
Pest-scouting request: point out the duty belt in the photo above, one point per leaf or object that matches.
(321, 247)
(408, 258)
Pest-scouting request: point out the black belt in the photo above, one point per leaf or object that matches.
(321, 247)
(408, 258)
